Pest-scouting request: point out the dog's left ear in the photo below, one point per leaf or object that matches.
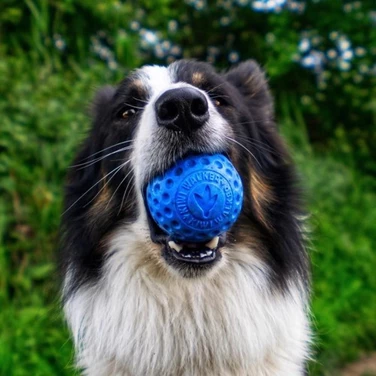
(250, 80)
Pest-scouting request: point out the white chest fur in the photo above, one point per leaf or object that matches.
(133, 324)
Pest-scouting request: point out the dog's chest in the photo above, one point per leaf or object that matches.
(224, 326)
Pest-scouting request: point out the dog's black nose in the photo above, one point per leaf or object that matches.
(182, 109)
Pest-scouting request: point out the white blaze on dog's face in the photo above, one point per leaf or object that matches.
(177, 119)
(157, 146)
(155, 117)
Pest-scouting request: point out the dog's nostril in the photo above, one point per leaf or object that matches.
(168, 111)
(199, 106)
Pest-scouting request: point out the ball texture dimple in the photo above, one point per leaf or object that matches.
(197, 199)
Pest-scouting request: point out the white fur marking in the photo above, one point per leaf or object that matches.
(228, 323)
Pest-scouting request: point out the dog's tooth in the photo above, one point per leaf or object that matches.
(175, 246)
(213, 243)
(202, 255)
(209, 253)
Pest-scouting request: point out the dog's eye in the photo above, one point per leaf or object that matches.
(218, 99)
(128, 113)
(218, 102)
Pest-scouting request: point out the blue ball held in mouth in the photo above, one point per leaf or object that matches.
(197, 199)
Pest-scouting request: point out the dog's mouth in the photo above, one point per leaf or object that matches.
(196, 253)
(179, 254)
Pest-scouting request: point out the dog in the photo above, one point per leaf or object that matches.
(133, 307)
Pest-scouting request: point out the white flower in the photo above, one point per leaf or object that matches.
(172, 26)
(347, 55)
(308, 61)
(150, 37)
(347, 8)
(344, 65)
(344, 44)
(304, 45)
(233, 57)
(333, 35)
(360, 51)
(332, 54)
(175, 50)
(135, 25)
(159, 51)
(112, 64)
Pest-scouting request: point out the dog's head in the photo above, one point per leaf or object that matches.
(156, 116)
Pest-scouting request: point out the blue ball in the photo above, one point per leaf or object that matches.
(197, 199)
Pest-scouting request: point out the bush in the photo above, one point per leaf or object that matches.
(43, 118)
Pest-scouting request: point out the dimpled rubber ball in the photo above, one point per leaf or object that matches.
(197, 199)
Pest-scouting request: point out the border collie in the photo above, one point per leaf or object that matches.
(135, 309)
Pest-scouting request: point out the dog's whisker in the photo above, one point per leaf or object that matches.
(89, 163)
(215, 87)
(140, 100)
(116, 169)
(258, 144)
(122, 181)
(246, 149)
(133, 106)
(106, 183)
(109, 147)
(219, 96)
(249, 122)
(129, 186)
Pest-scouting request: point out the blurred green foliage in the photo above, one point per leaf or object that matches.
(320, 51)
(320, 56)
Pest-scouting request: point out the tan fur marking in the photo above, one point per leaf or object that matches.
(102, 200)
(138, 84)
(197, 78)
(138, 88)
(261, 194)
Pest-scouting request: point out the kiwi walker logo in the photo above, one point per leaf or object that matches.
(205, 199)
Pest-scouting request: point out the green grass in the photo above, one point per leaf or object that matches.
(43, 117)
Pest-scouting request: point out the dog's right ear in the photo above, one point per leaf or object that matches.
(250, 80)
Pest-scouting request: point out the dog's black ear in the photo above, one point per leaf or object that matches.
(250, 80)
(101, 106)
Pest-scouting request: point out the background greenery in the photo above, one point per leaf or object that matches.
(320, 57)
